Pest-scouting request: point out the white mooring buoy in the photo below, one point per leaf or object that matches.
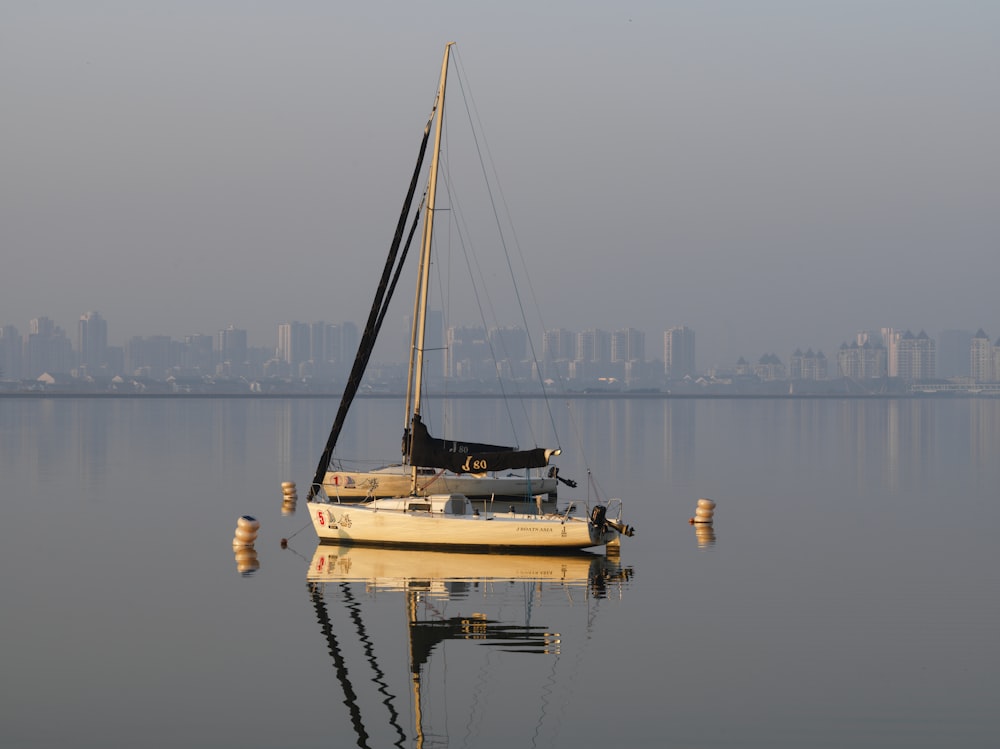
(246, 531)
(704, 512)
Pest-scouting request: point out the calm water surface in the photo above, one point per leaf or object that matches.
(849, 596)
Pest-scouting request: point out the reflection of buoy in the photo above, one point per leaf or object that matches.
(704, 512)
(705, 534)
(246, 560)
(290, 496)
(246, 531)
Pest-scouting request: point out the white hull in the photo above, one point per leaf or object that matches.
(451, 522)
(395, 481)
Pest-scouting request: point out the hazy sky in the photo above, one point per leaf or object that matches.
(772, 174)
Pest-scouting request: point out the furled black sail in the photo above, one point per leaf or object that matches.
(386, 286)
(469, 457)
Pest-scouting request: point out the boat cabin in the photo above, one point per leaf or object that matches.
(446, 504)
(435, 504)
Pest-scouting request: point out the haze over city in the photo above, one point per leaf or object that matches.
(773, 174)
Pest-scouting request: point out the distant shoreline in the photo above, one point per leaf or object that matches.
(494, 396)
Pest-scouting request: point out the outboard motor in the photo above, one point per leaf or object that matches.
(625, 530)
(598, 517)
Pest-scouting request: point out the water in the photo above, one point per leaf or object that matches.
(849, 596)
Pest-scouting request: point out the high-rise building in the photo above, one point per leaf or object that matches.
(807, 366)
(916, 357)
(678, 353)
(468, 352)
(981, 358)
(47, 349)
(10, 353)
(232, 346)
(153, 356)
(319, 352)
(558, 345)
(953, 353)
(293, 345)
(996, 361)
(593, 346)
(332, 349)
(510, 350)
(436, 355)
(197, 354)
(42, 326)
(769, 367)
(92, 341)
(890, 339)
(350, 339)
(863, 359)
(628, 345)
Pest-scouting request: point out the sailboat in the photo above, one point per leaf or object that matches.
(445, 519)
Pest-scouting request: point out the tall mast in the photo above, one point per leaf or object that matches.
(418, 335)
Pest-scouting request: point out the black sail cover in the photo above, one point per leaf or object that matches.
(468, 457)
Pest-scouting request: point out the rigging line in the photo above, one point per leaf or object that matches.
(480, 698)
(466, 97)
(577, 435)
(599, 492)
(465, 242)
(307, 525)
(471, 262)
(517, 244)
(440, 288)
(286, 547)
(548, 698)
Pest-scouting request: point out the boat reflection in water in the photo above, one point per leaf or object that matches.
(469, 621)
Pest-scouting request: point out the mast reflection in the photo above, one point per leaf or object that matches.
(425, 584)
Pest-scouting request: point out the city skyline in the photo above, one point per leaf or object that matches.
(773, 175)
(868, 353)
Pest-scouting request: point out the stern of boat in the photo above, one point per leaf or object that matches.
(606, 525)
